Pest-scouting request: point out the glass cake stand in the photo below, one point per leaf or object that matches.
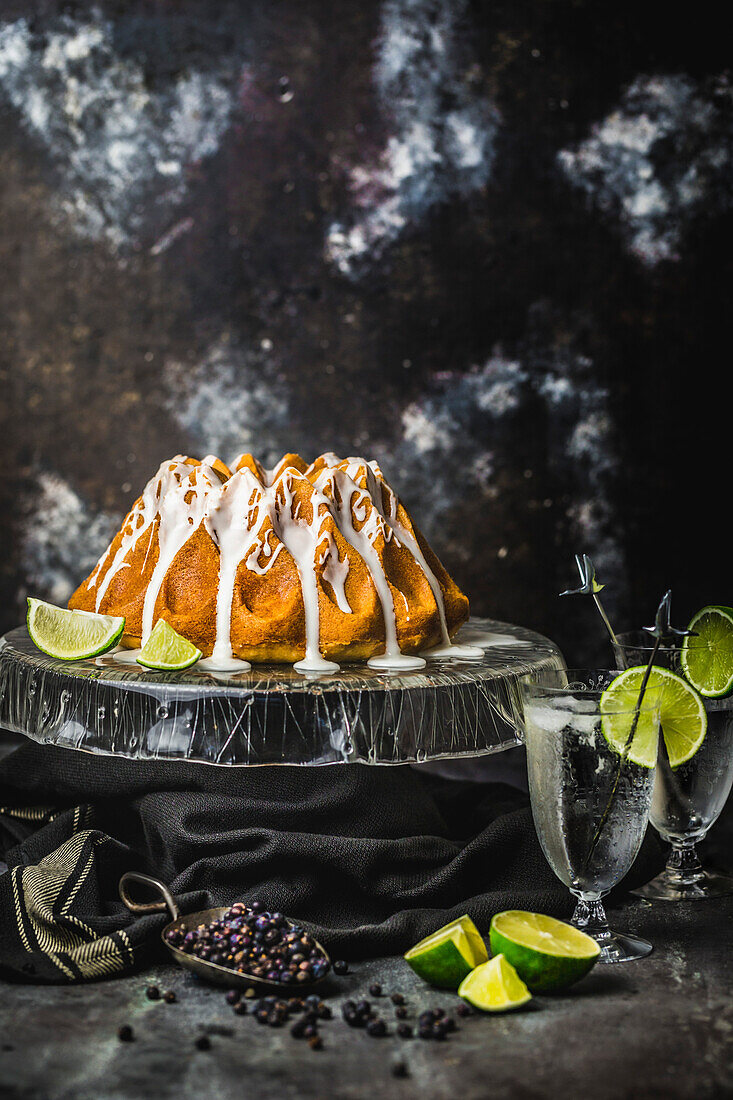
(272, 714)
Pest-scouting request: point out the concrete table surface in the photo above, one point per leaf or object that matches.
(660, 1027)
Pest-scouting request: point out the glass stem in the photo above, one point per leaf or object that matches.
(683, 866)
(590, 917)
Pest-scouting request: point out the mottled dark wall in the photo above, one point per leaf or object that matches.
(486, 243)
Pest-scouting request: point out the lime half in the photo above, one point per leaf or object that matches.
(71, 635)
(448, 955)
(165, 649)
(707, 660)
(547, 954)
(682, 715)
(494, 986)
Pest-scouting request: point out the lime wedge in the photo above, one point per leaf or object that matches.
(547, 954)
(71, 635)
(494, 986)
(448, 955)
(682, 715)
(707, 660)
(165, 649)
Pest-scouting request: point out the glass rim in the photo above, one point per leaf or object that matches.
(645, 643)
(650, 702)
(652, 707)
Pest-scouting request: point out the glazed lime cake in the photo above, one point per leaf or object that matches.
(307, 564)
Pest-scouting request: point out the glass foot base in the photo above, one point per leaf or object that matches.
(590, 917)
(667, 887)
(616, 947)
(619, 948)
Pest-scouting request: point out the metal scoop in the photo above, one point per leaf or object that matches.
(212, 972)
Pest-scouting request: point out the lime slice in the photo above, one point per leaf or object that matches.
(682, 715)
(71, 635)
(617, 706)
(165, 649)
(547, 954)
(494, 986)
(707, 660)
(448, 955)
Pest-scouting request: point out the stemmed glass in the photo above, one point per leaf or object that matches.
(687, 799)
(590, 803)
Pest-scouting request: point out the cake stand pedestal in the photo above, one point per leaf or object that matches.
(272, 714)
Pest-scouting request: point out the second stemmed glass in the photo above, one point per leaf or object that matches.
(590, 803)
(687, 799)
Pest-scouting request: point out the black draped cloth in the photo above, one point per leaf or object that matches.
(370, 858)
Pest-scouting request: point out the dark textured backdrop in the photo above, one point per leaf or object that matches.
(486, 243)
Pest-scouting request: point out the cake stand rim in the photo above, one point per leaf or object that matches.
(401, 719)
(223, 684)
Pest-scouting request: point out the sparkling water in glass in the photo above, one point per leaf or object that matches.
(687, 799)
(590, 803)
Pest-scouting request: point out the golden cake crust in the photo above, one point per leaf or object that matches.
(354, 563)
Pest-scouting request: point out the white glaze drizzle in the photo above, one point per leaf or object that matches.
(263, 549)
(140, 519)
(351, 503)
(335, 572)
(302, 541)
(125, 656)
(223, 664)
(244, 506)
(227, 521)
(406, 538)
(181, 511)
(235, 513)
(374, 484)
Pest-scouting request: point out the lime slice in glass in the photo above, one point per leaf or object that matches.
(71, 635)
(707, 660)
(547, 954)
(494, 986)
(165, 649)
(617, 706)
(682, 715)
(448, 955)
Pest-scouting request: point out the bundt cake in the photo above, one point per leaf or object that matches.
(306, 564)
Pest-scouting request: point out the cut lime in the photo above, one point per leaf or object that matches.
(682, 716)
(494, 986)
(448, 955)
(71, 635)
(547, 954)
(167, 650)
(707, 660)
(618, 704)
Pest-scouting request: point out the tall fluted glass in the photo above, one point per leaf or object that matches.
(590, 803)
(688, 799)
